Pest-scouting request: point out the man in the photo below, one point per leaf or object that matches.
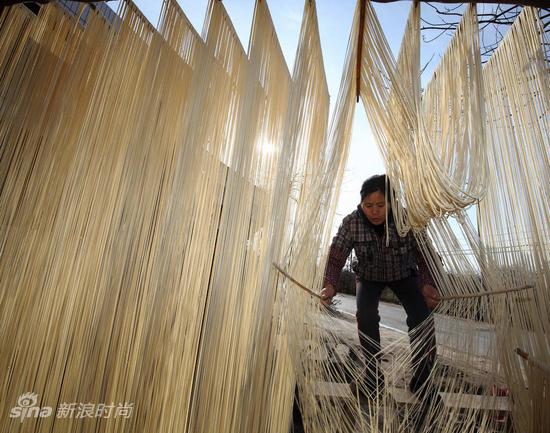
(383, 259)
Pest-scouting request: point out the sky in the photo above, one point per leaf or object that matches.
(335, 17)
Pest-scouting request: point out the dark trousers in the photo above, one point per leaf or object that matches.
(368, 319)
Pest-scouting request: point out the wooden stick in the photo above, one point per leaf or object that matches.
(300, 285)
(359, 50)
(478, 295)
(331, 310)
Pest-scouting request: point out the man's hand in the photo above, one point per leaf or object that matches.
(431, 296)
(327, 294)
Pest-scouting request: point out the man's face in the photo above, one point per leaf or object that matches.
(374, 206)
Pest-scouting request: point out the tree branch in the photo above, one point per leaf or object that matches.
(534, 3)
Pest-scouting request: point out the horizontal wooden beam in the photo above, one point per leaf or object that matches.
(533, 3)
(14, 2)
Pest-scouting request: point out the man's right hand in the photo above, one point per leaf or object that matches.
(327, 294)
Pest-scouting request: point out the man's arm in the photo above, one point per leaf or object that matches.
(425, 277)
(340, 249)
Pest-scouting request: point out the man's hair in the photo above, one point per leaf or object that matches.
(374, 183)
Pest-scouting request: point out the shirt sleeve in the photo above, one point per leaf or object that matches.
(340, 249)
(424, 273)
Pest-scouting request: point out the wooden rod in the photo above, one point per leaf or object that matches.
(478, 295)
(362, 7)
(300, 285)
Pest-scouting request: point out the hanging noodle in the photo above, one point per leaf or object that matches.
(150, 178)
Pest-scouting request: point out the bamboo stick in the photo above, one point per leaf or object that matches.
(479, 295)
(300, 285)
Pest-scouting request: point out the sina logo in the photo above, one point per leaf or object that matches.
(27, 408)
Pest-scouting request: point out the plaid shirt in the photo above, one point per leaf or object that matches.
(375, 261)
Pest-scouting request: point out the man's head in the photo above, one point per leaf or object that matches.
(373, 198)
